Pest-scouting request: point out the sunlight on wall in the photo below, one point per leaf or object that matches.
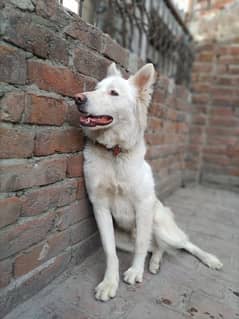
(72, 5)
(182, 5)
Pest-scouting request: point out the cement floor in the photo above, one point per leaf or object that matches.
(184, 288)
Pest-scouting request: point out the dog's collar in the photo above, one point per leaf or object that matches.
(116, 150)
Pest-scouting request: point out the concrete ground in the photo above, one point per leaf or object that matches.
(184, 288)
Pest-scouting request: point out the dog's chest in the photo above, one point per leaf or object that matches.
(117, 188)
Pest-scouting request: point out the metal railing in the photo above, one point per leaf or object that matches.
(152, 29)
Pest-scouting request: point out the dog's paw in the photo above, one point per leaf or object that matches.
(154, 266)
(213, 262)
(133, 275)
(106, 289)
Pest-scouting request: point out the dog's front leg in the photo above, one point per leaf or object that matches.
(144, 218)
(108, 287)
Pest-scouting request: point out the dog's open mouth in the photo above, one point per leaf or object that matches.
(95, 120)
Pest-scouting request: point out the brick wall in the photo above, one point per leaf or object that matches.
(206, 7)
(214, 136)
(167, 135)
(46, 223)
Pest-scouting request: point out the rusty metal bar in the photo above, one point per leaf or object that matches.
(81, 3)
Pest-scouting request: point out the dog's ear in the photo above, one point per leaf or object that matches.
(144, 77)
(113, 71)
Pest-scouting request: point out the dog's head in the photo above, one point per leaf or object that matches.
(117, 104)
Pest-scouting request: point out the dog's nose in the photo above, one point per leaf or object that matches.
(80, 99)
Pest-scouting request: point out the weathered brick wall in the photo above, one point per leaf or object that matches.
(206, 7)
(46, 224)
(214, 137)
(167, 135)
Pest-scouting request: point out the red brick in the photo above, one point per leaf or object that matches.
(233, 151)
(205, 56)
(44, 110)
(86, 33)
(194, 148)
(215, 149)
(233, 50)
(158, 110)
(216, 140)
(82, 230)
(182, 128)
(38, 254)
(25, 174)
(224, 121)
(219, 92)
(199, 119)
(16, 142)
(234, 60)
(114, 51)
(83, 249)
(12, 106)
(72, 214)
(181, 92)
(182, 105)
(172, 115)
(170, 138)
(170, 127)
(12, 65)
(58, 50)
(224, 131)
(73, 115)
(202, 67)
(159, 96)
(10, 209)
(81, 190)
(154, 124)
(154, 139)
(24, 234)
(45, 198)
(233, 69)
(5, 272)
(23, 32)
(46, 8)
(201, 88)
(75, 166)
(90, 63)
(233, 171)
(200, 108)
(57, 79)
(225, 80)
(225, 101)
(200, 99)
(197, 129)
(197, 139)
(216, 159)
(51, 141)
(29, 285)
(222, 111)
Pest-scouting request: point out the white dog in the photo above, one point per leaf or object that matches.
(120, 182)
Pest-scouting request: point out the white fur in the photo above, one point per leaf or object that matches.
(122, 188)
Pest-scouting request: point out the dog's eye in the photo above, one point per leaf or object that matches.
(114, 93)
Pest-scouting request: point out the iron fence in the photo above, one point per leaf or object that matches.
(152, 29)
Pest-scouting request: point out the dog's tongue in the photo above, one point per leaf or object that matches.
(95, 120)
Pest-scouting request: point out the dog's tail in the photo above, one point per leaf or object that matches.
(166, 230)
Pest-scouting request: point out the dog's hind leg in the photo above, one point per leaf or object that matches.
(126, 241)
(155, 259)
(208, 259)
(166, 230)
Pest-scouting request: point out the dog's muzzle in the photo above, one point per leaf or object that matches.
(80, 101)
